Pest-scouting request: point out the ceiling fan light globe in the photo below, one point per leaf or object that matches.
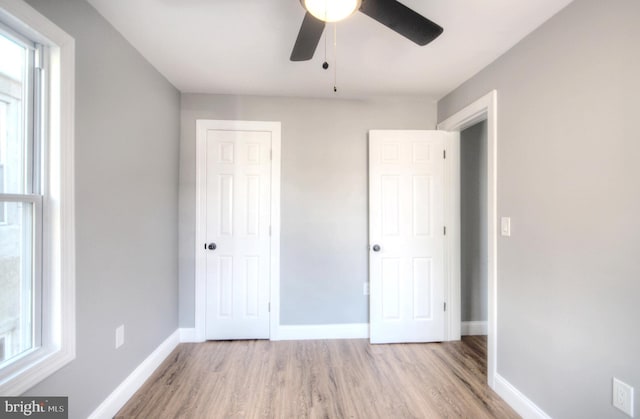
(331, 10)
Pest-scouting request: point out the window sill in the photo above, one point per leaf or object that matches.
(37, 366)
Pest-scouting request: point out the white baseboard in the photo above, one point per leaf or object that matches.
(474, 328)
(188, 335)
(518, 401)
(112, 404)
(323, 331)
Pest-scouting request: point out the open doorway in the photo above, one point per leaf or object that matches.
(483, 109)
(473, 230)
(473, 239)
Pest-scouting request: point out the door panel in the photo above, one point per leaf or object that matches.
(391, 288)
(406, 204)
(390, 196)
(422, 288)
(237, 221)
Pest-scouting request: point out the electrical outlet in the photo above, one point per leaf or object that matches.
(623, 396)
(119, 336)
(365, 288)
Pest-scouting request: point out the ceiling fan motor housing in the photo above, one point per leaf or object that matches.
(331, 10)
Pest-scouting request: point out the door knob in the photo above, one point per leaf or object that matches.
(212, 246)
(376, 247)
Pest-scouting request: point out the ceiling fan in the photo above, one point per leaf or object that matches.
(391, 13)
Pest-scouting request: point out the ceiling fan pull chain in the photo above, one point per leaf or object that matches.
(335, 57)
(325, 47)
(325, 64)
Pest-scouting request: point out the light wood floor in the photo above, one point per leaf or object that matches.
(320, 379)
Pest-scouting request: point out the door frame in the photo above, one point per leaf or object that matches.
(202, 125)
(485, 108)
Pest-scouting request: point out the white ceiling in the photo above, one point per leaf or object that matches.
(243, 46)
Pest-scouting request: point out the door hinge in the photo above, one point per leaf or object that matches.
(444, 154)
(269, 231)
(269, 307)
(445, 306)
(445, 230)
(271, 154)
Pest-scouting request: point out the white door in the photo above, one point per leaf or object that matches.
(406, 232)
(237, 247)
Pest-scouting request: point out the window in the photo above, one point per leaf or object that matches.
(21, 198)
(37, 247)
(4, 108)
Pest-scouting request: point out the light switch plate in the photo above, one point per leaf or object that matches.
(505, 226)
(623, 396)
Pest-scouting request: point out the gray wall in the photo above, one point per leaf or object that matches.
(473, 227)
(127, 130)
(568, 153)
(324, 258)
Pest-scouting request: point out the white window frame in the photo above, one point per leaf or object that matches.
(57, 347)
(3, 215)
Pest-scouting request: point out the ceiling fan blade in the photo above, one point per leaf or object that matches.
(308, 38)
(401, 19)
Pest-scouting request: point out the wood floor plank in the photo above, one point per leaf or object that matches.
(320, 379)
